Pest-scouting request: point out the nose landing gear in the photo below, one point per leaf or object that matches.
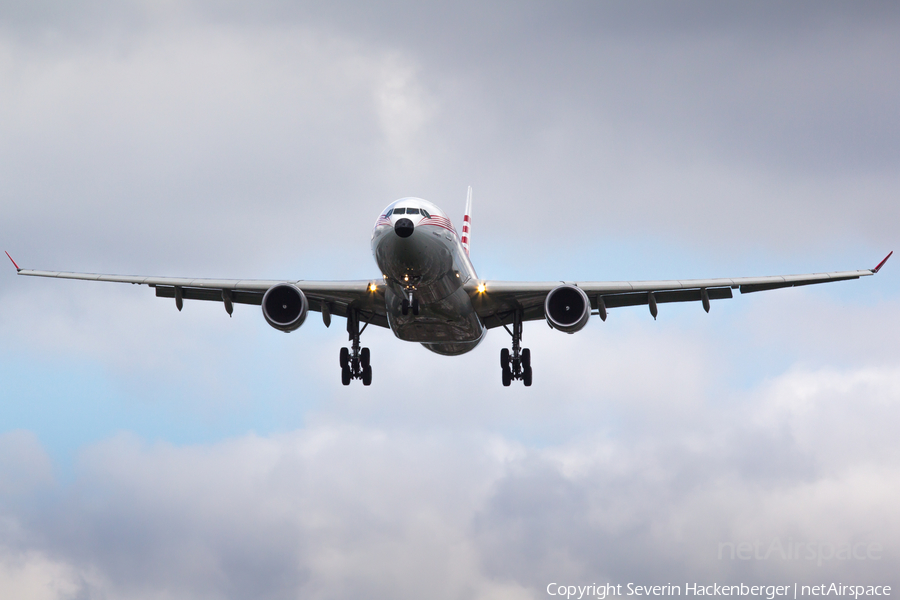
(516, 365)
(411, 303)
(355, 360)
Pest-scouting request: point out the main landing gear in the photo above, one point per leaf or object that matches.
(517, 365)
(355, 360)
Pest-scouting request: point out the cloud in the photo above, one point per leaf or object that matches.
(33, 576)
(206, 126)
(387, 512)
(162, 454)
(24, 466)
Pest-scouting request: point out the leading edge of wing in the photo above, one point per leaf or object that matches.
(746, 284)
(256, 285)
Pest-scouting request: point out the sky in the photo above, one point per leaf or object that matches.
(148, 454)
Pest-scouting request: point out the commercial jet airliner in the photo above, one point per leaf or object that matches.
(429, 293)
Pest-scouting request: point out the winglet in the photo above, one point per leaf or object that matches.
(18, 269)
(467, 222)
(881, 264)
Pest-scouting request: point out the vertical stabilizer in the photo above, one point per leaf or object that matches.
(467, 222)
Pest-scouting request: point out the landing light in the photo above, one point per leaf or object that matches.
(480, 288)
(373, 287)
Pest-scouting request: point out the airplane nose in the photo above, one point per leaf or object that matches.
(404, 227)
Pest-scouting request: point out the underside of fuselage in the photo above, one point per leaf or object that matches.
(425, 268)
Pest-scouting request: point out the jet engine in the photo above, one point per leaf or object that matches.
(284, 306)
(567, 308)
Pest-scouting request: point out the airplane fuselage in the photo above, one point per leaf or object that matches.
(424, 264)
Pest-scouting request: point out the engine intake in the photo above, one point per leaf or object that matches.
(284, 306)
(567, 308)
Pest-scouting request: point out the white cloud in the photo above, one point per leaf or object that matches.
(338, 511)
(32, 576)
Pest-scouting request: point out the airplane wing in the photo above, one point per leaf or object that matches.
(328, 297)
(497, 301)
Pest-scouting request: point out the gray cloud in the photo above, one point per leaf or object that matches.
(168, 129)
(220, 139)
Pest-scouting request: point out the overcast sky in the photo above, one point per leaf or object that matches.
(152, 454)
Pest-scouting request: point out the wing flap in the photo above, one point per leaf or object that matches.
(213, 295)
(533, 311)
(336, 308)
(639, 298)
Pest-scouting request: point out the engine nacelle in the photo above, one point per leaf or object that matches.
(567, 308)
(284, 306)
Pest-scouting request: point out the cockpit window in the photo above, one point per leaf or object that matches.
(412, 211)
(399, 211)
(425, 212)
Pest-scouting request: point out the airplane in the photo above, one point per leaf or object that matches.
(429, 293)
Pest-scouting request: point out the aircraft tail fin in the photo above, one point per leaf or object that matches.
(467, 222)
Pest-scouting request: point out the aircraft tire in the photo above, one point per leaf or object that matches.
(526, 359)
(415, 306)
(367, 375)
(346, 375)
(404, 307)
(345, 358)
(504, 358)
(364, 356)
(507, 376)
(526, 376)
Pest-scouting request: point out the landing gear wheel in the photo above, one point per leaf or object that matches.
(404, 307)
(516, 364)
(355, 361)
(415, 306)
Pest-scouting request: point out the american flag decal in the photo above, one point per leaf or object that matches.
(438, 221)
(382, 220)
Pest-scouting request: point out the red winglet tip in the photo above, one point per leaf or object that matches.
(17, 266)
(881, 264)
